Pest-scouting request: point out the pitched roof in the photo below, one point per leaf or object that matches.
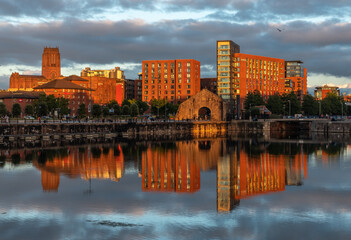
(33, 76)
(75, 78)
(60, 84)
(19, 94)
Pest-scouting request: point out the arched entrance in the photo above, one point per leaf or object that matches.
(204, 113)
(203, 105)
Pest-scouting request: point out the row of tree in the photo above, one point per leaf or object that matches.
(47, 105)
(133, 108)
(289, 104)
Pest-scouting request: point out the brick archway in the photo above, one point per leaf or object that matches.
(204, 99)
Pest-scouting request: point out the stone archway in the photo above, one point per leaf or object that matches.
(202, 100)
(204, 113)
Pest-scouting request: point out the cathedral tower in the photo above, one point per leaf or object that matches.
(51, 63)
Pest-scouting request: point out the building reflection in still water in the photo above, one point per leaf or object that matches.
(244, 168)
(89, 163)
(243, 174)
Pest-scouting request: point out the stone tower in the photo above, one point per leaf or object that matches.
(51, 63)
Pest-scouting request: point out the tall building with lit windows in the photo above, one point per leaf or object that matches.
(265, 74)
(295, 78)
(173, 80)
(240, 73)
(227, 85)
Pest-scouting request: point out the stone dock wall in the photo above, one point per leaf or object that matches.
(31, 133)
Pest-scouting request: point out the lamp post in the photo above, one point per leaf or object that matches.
(289, 107)
(165, 112)
(250, 112)
(342, 109)
(320, 108)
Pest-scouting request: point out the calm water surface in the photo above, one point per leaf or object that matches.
(216, 189)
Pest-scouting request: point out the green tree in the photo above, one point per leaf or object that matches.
(157, 106)
(52, 103)
(40, 109)
(291, 104)
(96, 110)
(126, 102)
(16, 110)
(29, 110)
(134, 110)
(62, 103)
(143, 106)
(3, 110)
(115, 106)
(253, 99)
(172, 108)
(309, 105)
(275, 104)
(332, 105)
(81, 110)
(126, 110)
(105, 111)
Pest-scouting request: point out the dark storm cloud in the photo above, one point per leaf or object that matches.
(131, 41)
(246, 9)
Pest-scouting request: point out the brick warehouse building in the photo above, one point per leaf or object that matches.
(105, 88)
(173, 80)
(62, 88)
(239, 73)
(23, 98)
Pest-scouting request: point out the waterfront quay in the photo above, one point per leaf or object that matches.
(25, 133)
(29, 133)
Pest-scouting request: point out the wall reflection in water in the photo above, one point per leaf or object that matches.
(244, 168)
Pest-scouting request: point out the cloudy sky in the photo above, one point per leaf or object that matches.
(109, 33)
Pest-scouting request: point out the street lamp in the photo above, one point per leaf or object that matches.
(289, 107)
(342, 109)
(320, 108)
(250, 112)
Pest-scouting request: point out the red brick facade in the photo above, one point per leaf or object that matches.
(173, 80)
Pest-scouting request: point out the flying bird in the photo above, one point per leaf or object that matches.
(280, 29)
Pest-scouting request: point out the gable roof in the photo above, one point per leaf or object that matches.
(74, 78)
(19, 94)
(60, 84)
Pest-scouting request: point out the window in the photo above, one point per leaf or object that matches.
(188, 91)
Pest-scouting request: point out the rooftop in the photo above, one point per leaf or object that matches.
(60, 84)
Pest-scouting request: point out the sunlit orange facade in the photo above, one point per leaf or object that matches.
(240, 73)
(322, 92)
(104, 88)
(51, 63)
(294, 79)
(264, 74)
(173, 80)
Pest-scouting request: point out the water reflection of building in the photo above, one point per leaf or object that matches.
(169, 170)
(227, 169)
(88, 163)
(50, 181)
(241, 175)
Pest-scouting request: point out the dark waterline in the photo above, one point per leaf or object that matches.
(213, 189)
